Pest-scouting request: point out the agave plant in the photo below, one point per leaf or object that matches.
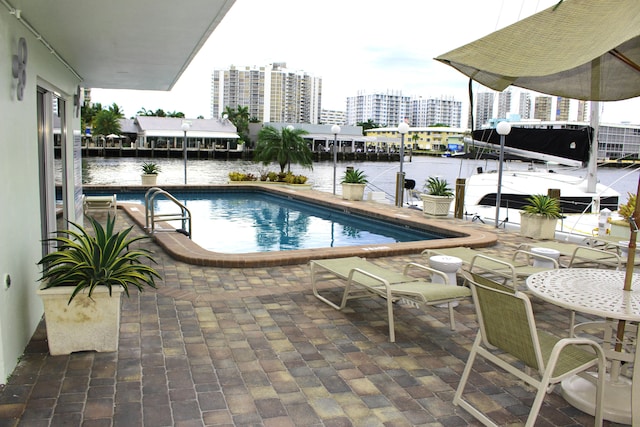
(354, 176)
(150, 168)
(437, 187)
(84, 261)
(627, 209)
(544, 205)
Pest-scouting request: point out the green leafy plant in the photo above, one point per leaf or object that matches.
(239, 176)
(435, 186)
(354, 176)
(104, 258)
(541, 204)
(150, 168)
(627, 209)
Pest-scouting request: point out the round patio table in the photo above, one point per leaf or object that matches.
(598, 292)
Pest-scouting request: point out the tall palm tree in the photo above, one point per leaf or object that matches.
(284, 146)
(106, 122)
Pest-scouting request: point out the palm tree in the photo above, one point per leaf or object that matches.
(284, 146)
(106, 122)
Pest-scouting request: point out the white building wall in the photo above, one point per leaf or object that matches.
(20, 227)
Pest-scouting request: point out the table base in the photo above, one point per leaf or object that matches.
(616, 406)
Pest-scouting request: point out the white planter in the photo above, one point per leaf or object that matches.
(620, 229)
(435, 205)
(85, 324)
(353, 191)
(149, 179)
(537, 226)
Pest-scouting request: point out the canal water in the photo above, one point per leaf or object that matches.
(381, 175)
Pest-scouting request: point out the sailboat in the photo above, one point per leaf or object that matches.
(559, 146)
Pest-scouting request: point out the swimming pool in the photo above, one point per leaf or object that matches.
(418, 230)
(250, 221)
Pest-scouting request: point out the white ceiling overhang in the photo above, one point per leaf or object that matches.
(123, 44)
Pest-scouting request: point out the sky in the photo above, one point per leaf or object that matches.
(355, 46)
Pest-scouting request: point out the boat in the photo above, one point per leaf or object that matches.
(581, 208)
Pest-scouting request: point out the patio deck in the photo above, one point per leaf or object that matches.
(253, 346)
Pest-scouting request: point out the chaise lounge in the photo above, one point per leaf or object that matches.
(366, 279)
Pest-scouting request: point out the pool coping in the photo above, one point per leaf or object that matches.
(182, 248)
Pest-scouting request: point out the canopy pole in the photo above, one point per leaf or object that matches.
(631, 257)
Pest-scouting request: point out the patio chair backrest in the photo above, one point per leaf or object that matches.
(506, 321)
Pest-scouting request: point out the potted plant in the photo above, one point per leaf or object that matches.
(539, 217)
(437, 197)
(150, 173)
(620, 227)
(353, 184)
(82, 282)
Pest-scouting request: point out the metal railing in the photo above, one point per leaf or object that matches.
(151, 217)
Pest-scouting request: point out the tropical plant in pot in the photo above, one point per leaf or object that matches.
(150, 172)
(437, 197)
(353, 184)
(619, 227)
(538, 218)
(82, 282)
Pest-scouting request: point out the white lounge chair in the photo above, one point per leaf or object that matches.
(365, 279)
(100, 203)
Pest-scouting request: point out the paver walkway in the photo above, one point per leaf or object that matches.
(254, 347)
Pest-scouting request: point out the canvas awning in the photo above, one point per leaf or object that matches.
(579, 49)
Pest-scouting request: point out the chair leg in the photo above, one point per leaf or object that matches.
(452, 321)
(392, 331)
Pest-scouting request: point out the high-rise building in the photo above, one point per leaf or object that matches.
(504, 104)
(484, 108)
(583, 111)
(542, 108)
(524, 107)
(332, 117)
(385, 109)
(272, 93)
(562, 108)
(430, 111)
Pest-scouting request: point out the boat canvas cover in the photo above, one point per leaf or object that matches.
(573, 144)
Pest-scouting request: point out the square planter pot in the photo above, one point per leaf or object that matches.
(353, 191)
(149, 179)
(84, 325)
(537, 226)
(435, 205)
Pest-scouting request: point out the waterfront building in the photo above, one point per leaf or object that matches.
(431, 111)
(484, 108)
(542, 109)
(504, 104)
(562, 108)
(272, 93)
(333, 117)
(420, 138)
(524, 107)
(386, 109)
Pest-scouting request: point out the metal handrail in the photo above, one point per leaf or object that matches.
(151, 218)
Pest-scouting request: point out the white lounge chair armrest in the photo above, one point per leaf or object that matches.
(430, 270)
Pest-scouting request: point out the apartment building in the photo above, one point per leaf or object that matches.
(430, 111)
(272, 93)
(387, 109)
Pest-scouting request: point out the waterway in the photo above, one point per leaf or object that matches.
(381, 175)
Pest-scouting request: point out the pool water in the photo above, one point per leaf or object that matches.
(253, 221)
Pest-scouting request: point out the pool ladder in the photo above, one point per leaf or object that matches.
(151, 218)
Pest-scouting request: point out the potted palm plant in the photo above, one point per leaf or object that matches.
(620, 227)
(82, 282)
(538, 218)
(437, 197)
(150, 172)
(353, 184)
